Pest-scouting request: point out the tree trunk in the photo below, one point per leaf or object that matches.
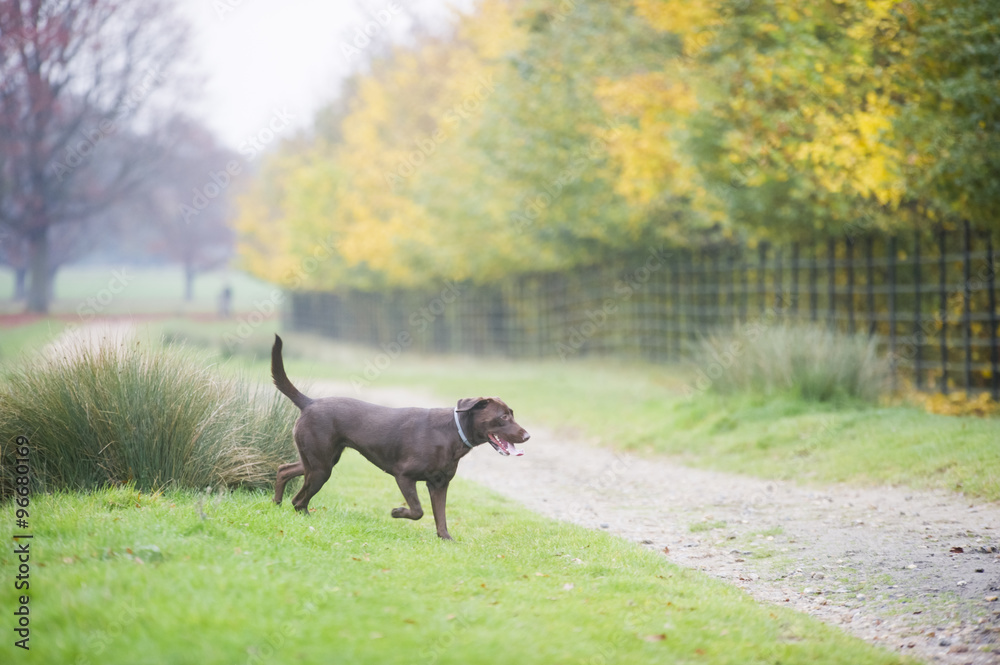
(20, 281)
(38, 272)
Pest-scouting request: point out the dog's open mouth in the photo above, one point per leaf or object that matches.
(505, 448)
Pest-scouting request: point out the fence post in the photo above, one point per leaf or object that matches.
(870, 283)
(761, 267)
(966, 302)
(814, 286)
(675, 301)
(731, 294)
(779, 283)
(891, 255)
(918, 329)
(795, 280)
(662, 310)
(717, 290)
(704, 311)
(992, 321)
(943, 293)
(744, 286)
(849, 249)
(831, 266)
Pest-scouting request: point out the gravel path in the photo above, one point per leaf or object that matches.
(914, 571)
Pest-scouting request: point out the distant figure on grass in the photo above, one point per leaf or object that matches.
(225, 302)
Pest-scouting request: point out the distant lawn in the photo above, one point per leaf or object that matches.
(145, 290)
(17, 341)
(184, 577)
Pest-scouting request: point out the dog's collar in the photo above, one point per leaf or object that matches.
(465, 439)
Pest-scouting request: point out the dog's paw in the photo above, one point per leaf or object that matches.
(399, 512)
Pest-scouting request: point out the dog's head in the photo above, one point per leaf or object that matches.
(493, 421)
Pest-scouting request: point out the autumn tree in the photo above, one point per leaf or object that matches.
(541, 135)
(73, 75)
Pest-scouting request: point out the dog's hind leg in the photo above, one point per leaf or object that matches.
(285, 473)
(408, 487)
(316, 474)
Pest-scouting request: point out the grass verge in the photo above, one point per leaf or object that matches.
(181, 577)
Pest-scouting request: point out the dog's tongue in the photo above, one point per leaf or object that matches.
(505, 448)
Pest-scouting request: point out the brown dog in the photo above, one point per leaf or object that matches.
(409, 444)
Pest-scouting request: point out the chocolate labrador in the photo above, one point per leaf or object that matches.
(409, 444)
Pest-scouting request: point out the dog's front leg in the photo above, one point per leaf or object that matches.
(408, 487)
(439, 495)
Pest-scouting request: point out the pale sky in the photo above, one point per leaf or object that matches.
(262, 59)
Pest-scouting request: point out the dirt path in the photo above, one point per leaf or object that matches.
(915, 572)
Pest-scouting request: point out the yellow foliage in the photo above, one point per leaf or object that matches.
(786, 113)
(649, 160)
(693, 20)
(404, 115)
(959, 404)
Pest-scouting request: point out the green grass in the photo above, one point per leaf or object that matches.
(698, 527)
(119, 577)
(20, 340)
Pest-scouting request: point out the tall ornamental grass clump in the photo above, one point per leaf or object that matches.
(127, 413)
(810, 361)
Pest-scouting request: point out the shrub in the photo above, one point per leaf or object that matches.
(122, 413)
(813, 362)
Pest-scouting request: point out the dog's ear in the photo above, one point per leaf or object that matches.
(470, 403)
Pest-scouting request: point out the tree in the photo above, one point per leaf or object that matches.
(14, 253)
(187, 199)
(950, 129)
(73, 74)
(554, 134)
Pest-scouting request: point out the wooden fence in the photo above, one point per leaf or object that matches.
(930, 299)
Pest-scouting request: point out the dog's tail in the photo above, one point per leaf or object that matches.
(281, 379)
